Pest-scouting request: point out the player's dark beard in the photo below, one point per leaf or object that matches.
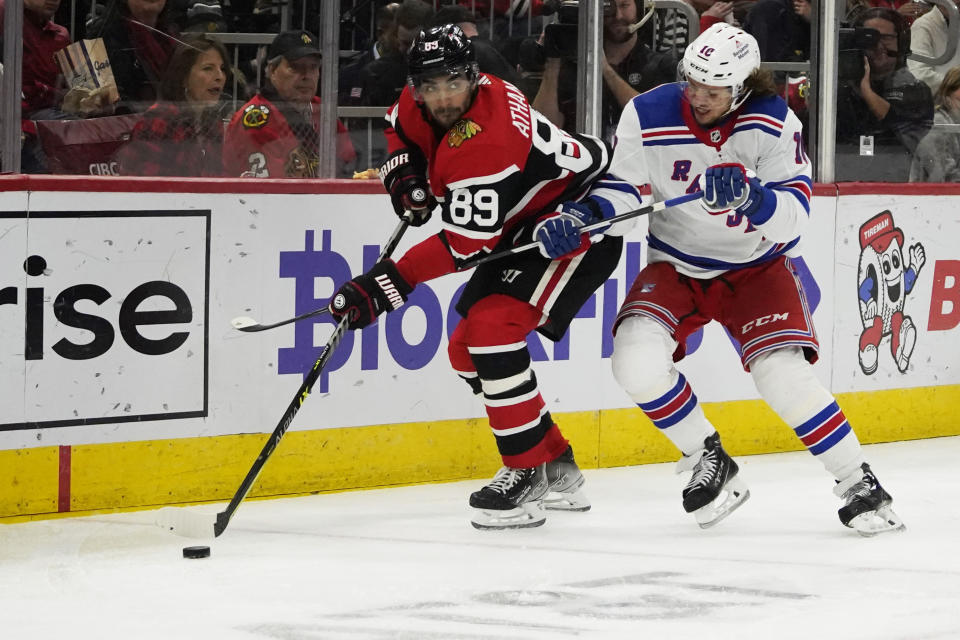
(447, 116)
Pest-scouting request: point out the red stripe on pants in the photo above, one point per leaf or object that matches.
(824, 430)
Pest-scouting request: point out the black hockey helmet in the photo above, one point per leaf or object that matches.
(442, 50)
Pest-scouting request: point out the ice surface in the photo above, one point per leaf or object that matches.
(405, 563)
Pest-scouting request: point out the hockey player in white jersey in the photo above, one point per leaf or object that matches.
(726, 257)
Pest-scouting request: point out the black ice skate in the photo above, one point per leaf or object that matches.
(866, 505)
(714, 490)
(512, 500)
(565, 480)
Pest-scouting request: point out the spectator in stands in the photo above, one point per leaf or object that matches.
(43, 86)
(718, 12)
(671, 28)
(383, 79)
(489, 59)
(629, 67)
(276, 134)
(511, 18)
(911, 10)
(938, 154)
(371, 147)
(204, 16)
(853, 9)
(140, 39)
(385, 44)
(182, 134)
(928, 37)
(782, 30)
(908, 9)
(510, 8)
(882, 115)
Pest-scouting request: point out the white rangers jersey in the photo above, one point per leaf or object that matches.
(660, 143)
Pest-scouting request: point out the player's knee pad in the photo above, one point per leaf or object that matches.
(643, 358)
(787, 383)
(457, 350)
(498, 319)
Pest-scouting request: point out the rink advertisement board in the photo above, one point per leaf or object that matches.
(122, 382)
(126, 334)
(104, 317)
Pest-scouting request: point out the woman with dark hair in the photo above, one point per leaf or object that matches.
(182, 134)
(938, 154)
(140, 40)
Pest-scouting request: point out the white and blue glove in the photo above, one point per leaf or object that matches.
(558, 232)
(729, 186)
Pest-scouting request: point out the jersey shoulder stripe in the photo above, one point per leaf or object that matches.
(771, 107)
(492, 178)
(766, 114)
(759, 124)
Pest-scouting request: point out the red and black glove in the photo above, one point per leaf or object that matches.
(367, 296)
(407, 185)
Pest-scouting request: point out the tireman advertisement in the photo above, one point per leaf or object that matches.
(888, 272)
(897, 274)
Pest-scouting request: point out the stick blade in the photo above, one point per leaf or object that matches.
(243, 323)
(186, 523)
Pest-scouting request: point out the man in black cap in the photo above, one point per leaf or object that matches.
(276, 134)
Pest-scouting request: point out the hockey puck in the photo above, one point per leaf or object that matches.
(196, 552)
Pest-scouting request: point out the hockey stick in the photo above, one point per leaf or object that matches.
(642, 211)
(246, 323)
(202, 525)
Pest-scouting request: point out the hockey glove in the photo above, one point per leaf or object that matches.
(407, 186)
(558, 232)
(731, 186)
(368, 295)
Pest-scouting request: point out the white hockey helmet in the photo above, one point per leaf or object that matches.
(722, 56)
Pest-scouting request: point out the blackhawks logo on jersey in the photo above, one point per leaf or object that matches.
(462, 131)
(300, 164)
(255, 116)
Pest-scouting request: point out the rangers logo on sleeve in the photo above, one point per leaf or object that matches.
(462, 131)
(255, 116)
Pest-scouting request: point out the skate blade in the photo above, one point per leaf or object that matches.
(575, 500)
(733, 494)
(525, 516)
(871, 523)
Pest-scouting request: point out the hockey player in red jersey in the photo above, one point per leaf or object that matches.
(727, 258)
(500, 174)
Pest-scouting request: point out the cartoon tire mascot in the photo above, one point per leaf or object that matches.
(884, 282)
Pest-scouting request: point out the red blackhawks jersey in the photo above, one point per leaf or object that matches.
(502, 164)
(260, 142)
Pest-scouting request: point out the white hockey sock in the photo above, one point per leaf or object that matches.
(678, 415)
(643, 365)
(787, 383)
